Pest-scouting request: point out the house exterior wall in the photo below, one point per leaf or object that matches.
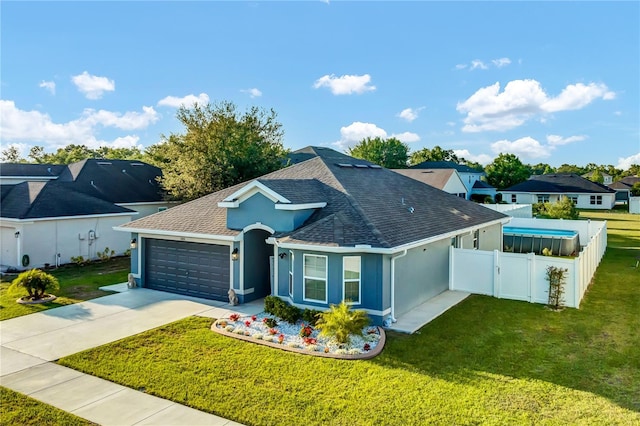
(371, 281)
(634, 205)
(259, 208)
(420, 275)
(583, 200)
(42, 240)
(455, 186)
(146, 209)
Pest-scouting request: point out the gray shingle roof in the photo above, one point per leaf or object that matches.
(437, 178)
(559, 183)
(30, 170)
(461, 168)
(36, 200)
(373, 206)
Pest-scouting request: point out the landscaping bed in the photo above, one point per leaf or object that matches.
(293, 338)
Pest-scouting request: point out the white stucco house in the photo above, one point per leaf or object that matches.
(477, 188)
(447, 180)
(51, 213)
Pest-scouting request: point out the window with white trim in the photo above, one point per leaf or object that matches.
(596, 200)
(351, 279)
(573, 198)
(455, 242)
(543, 198)
(315, 278)
(514, 198)
(291, 273)
(476, 239)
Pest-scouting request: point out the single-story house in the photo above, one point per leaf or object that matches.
(447, 180)
(51, 213)
(474, 180)
(623, 187)
(327, 228)
(551, 188)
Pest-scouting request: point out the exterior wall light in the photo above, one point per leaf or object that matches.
(134, 244)
(235, 255)
(282, 255)
(17, 234)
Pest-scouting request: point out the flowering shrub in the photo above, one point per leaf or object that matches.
(234, 317)
(273, 331)
(270, 322)
(367, 347)
(247, 323)
(305, 330)
(281, 338)
(309, 340)
(253, 317)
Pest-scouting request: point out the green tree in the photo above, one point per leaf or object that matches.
(73, 153)
(506, 170)
(220, 148)
(36, 282)
(596, 176)
(11, 155)
(635, 190)
(541, 169)
(434, 154)
(389, 153)
(571, 168)
(340, 322)
(563, 209)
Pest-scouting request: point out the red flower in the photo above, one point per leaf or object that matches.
(264, 319)
(309, 340)
(367, 347)
(273, 331)
(234, 317)
(247, 323)
(281, 338)
(253, 317)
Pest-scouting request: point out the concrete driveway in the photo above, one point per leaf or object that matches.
(30, 342)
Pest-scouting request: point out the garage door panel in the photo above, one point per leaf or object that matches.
(194, 269)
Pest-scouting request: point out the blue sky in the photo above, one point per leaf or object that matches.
(550, 82)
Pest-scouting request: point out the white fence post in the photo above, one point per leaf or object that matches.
(531, 275)
(496, 274)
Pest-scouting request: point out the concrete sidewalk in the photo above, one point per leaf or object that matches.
(28, 343)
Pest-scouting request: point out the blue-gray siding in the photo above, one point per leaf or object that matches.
(259, 208)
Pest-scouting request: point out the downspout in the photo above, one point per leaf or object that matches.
(393, 283)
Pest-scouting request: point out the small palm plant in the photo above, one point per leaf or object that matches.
(36, 282)
(340, 321)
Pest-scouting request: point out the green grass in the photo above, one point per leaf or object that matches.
(77, 283)
(487, 361)
(18, 409)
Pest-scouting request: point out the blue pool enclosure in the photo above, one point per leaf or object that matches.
(560, 242)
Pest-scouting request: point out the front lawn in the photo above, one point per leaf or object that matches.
(487, 361)
(18, 409)
(77, 283)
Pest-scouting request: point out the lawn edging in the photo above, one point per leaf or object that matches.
(375, 351)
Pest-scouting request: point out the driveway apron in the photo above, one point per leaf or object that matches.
(30, 342)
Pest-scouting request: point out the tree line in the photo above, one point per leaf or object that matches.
(221, 146)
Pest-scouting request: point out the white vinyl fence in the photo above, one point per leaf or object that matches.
(513, 210)
(523, 276)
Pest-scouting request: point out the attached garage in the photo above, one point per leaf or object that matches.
(192, 269)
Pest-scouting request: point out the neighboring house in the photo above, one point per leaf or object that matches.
(551, 188)
(325, 229)
(51, 213)
(623, 188)
(447, 180)
(473, 180)
(606, 178)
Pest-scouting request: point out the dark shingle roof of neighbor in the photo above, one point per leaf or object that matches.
(31, 170)
(365, 205)
(479, 184)
(461, 168)
(559, 183)
(36, 200)
(84, 188)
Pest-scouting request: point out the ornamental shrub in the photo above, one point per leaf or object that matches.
(281, 309)
(36, 282)
(340, 321)
(557, 278)
(563, 209)
(311, 316)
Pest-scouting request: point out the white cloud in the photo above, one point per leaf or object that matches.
(188, 101)
(128, 121)
(576, 96)
(461, 66)
(93, 86)
(353, 133)
(409, 114)
(451, 123)
(483, 159)
(478, 64)
(406, 137)
(559, 140)
(502, 62)
(48, 85)
(490, 109)
(626, 163)
(526, 147)
(346, 84)
(30, 127)
(254, 92)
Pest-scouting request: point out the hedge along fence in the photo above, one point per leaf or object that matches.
(524, 276)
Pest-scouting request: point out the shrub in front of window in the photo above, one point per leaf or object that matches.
(339, 322)
(310, 316)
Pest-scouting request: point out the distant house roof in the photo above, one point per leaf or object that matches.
(437, 178)
(559, 183)
(479, 184)
(461, 168)
(365, 204)
(84, 188)
(30, 170)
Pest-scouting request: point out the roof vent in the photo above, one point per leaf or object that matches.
(345, 165)
(361, 166)
(137, 164)
(374, 166)
(124, 171)
(104, 163)
(411, 209)
(92, 183)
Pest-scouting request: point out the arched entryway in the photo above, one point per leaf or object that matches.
(257, 263)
